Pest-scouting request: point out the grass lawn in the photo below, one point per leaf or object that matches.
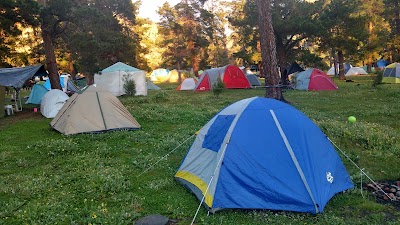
(49, 178)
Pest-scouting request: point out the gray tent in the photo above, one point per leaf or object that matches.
(17, 76)
(151, 86)
(93, 110)
(253, 80)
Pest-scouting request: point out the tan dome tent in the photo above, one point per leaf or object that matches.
(173, 76)
(93, 110)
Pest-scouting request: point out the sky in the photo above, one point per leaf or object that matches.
(149, 7)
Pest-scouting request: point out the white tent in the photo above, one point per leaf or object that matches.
(52, 102)
(331, 71)
(187, 84)
(356, 71)
(113, 79)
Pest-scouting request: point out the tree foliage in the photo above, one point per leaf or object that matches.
(94, 33)
(89, 35)
(342, 28)
(293, 23)
(392, 15)
(187, 29)
(14, 16)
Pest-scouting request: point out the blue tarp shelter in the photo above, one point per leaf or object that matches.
(17, 76)
(261, 153)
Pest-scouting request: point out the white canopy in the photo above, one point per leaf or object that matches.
(113, 78)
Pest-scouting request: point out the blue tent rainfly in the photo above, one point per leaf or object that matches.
(260, 153)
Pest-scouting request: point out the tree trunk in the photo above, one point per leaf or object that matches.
(179, 72)
(335, 63)
(282, 60)
(397, 17)
(89, 79)
(268, 50)
(369, 65)
(71, 68)
(194, 60)
(341, 65)
(50, 57)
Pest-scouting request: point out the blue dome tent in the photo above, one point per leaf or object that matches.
(36, 95)
(260, 153)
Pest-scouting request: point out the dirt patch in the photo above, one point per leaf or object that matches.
(385, 192)
(26, 113)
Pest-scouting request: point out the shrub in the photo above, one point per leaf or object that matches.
(378, 78)
(218, 87)
(129, 86)
(161, 96)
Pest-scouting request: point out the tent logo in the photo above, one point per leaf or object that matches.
(329, 177)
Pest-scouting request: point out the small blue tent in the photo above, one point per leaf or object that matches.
(382, 63)
(47, 84)
(159, 75)
(260, 153)
(36, 95)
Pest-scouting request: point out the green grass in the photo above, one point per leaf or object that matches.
(48, 178)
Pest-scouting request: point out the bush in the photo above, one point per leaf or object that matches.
(129, 86)
(378, 78)
(218, 87)
(161, 96)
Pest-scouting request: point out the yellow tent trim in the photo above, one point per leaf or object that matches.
(393, 65)
(392, 80)
(199, 183)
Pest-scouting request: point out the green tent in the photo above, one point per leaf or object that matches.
(391, 73)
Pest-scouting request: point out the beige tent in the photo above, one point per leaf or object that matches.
(173, 76)
(93, 110)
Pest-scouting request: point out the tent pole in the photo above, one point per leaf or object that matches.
(226, 140)
(209, 184)
(294, 159)
(18, 105)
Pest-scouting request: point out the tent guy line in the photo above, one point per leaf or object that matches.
(361, 170)
(151, 166)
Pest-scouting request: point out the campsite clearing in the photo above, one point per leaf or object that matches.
(48, 178)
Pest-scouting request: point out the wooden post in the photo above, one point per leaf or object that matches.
(2, 100)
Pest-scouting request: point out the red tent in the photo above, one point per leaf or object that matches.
(232, 76)
(314, 80)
